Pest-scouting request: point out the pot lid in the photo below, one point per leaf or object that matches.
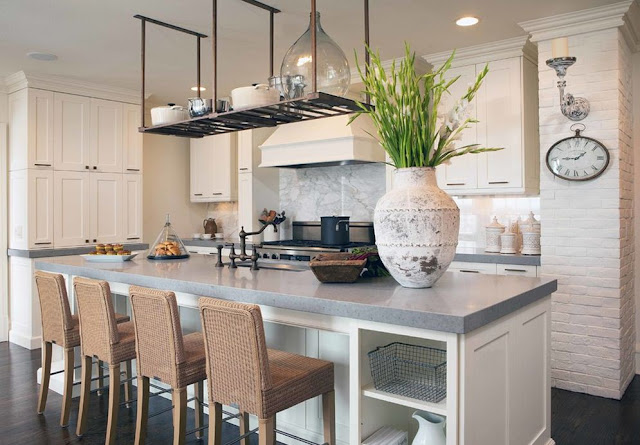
(495, 224)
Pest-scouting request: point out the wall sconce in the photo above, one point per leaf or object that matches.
(574, 108)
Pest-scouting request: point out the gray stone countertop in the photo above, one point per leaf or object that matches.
(478, 255)
(66, 251)
(458, 303)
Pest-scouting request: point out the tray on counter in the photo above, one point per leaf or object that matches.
(337, 267)
(108, 258)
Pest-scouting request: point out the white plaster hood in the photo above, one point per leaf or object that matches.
(321, 143)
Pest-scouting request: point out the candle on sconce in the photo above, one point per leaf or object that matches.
(560, 47)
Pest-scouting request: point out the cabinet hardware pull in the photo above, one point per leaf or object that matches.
(42, 165)
(95, 167)
(133, 169)
(95, 240)
(86, 241)
(41, 244)
(469, 271)
(191, 251)
(197, 194)
(456, 183)
(515, 270)
(216, 194)
(498, 182)
(244, 168)
(137, 237)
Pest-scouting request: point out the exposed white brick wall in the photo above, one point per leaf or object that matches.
(587, 233)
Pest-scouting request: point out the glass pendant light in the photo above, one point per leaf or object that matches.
(333, 72)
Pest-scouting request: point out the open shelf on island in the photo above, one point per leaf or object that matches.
(436, 408)
(310, 107)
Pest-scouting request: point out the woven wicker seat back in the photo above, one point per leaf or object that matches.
(237, 357)
(159, 342)
(54, 307)
(98, 328)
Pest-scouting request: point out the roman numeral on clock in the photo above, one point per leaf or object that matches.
(600, 158)
(594, 167)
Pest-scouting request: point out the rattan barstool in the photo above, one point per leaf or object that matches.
(103, 338)
(59, 327)
(260, 381)
(165, 354)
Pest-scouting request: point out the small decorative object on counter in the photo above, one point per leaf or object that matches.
(493, 232)
(337, 267)
(417, 224)
(431, 429)
(168, 245)
(418, 372)
(209, 225)
(509, 242)
(531, 242)
(274, 219)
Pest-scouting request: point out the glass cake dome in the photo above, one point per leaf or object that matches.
(168, 245)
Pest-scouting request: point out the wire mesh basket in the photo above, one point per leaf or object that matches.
(412, 371)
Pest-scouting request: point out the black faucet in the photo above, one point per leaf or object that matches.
(243, 256)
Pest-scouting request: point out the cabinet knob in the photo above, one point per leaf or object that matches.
(86, 167)
(95, 240)
(86, 241)
(95, 167)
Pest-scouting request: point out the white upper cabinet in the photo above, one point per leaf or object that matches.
(72, 224)
(131, 139)
(30, 129)
(213, 168)
(506, 107)
(106, 136)
(106, 207)
(71, 140)
(132, 207)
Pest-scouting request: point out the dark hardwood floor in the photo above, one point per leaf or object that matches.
(577, 419)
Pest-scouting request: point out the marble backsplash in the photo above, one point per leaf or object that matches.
(226, 216)
(349, 190)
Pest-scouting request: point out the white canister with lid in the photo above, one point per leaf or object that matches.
(531, 242)
(509, 242)
(493, 232)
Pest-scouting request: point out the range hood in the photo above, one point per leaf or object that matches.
(322, 143)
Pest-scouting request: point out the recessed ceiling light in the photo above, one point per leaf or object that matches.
(196, 88)
(467, 21)
(43, 57)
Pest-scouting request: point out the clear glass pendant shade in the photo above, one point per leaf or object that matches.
(334, 74)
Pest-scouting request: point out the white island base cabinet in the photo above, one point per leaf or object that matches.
(498, 376)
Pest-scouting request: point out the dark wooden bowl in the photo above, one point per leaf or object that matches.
(336, 268)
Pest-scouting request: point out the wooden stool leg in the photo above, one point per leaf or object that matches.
(329, 417)
(68, 387)
(46, 376)
(199, 394)
(142, 415)
(114, 403)
(85, 391)
(179, 415)
(215, 423)
(267, 431)
(100, 376)
(244, 428)
(128, 386)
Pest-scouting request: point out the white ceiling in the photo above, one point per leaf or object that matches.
(99, 41)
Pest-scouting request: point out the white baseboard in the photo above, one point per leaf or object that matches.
(19, 339)
(4, 327)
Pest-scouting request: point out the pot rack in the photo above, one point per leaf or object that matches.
(314, 105)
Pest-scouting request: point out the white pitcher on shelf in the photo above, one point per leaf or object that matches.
(431, 429)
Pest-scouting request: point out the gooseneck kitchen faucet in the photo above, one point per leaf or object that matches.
(243, 256)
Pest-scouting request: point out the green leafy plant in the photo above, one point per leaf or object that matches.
(406, 112)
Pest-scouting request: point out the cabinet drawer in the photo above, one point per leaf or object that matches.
(485, 268)
(515, 269)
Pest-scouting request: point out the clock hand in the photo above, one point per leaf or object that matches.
(581, 155)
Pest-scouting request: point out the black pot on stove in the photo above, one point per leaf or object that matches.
(334, 230)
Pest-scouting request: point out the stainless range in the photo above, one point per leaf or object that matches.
(306, 243)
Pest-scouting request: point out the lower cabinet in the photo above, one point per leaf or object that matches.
(494, 269)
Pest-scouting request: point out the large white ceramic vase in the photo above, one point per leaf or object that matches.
(416, 226)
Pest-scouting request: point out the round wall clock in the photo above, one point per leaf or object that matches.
(577, 158)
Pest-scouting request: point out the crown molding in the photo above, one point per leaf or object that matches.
(487, 52)
(631, 28)
(578, 22)
(21, 80)
(421, 66)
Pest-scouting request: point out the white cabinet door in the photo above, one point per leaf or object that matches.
(71, 123)
(131, 139)
(71, 209)
(213, 168)
(40, 202)
(106, 136)
(462, 172)
(245, 151)
(105, 207)
(201, 165)
(132, 207)
(245, 201)
(465, 267)
(500, 125)
(40, 128)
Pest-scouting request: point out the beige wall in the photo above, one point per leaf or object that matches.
(636, 144)
(166, 187)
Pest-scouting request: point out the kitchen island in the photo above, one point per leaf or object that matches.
(495, 330)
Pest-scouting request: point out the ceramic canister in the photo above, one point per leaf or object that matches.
(531, 242)
(509, 241)
(493, 232)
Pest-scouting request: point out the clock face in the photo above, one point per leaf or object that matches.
(577, 158)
